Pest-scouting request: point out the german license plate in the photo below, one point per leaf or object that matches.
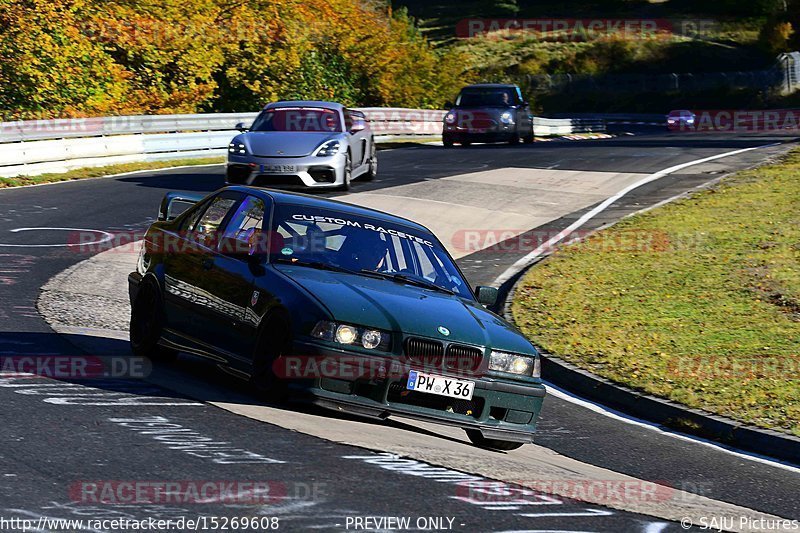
(278, 169)
(439, 385)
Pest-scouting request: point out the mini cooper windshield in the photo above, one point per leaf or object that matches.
(328, 239)
(298, 119)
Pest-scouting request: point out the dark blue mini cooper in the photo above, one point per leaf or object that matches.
(349, 307)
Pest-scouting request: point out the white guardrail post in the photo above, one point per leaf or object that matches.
(34, 147)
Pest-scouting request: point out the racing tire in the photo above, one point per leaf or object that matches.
(370, 174)
(491, 444)
(466, 143)
(514, 140)
(275, 340)
(447, 141)
(147, 324)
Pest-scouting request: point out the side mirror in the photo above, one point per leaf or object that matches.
(449, 105)
(358, 125)
(486, 295)
(241, 126)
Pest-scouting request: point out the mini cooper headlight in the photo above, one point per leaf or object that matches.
(237, 147)
(507, 118)
(523, 365)
(369, 338)
(450, 118)
(328, 148)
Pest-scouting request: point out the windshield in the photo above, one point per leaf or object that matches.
(343, 241)
(298, 119)
(486, 98)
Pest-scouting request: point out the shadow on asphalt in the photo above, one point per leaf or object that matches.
(107, 364)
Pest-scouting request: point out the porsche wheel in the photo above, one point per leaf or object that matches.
(348, 173)
(370, 174)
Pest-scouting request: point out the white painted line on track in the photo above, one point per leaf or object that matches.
(105, 238)
(562, 394)
(526, 261)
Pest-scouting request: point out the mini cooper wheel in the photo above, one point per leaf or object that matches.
(492, 444)
(147, 323)
(529, 137)
(514, 139)
(447, 141)
(274, 341)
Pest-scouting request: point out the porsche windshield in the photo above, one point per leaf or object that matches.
(298, 119)
(330, 239)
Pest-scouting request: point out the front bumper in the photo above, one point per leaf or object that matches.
(500, 134)
(290, 172)
(499, 409)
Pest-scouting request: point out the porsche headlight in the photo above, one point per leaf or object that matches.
(507, 118)
(369, 338)
(328, 148)
(237, 147)
(522, 365)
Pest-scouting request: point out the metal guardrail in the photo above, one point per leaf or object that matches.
(609, 118)
(39, 146)
(567, 126)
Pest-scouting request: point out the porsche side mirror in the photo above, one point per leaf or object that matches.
(486, 295)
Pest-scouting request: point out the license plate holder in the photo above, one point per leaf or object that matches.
(278, 169)
(461, 389)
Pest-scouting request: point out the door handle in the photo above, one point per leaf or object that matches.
(208, 264)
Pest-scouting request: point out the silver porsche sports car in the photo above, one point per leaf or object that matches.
(303, 144)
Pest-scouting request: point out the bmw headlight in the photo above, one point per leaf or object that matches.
(237, 147)
(328, 148)
(507, 118)
(523, 365)
(369, 338)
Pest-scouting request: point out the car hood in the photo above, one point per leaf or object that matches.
(392, 306)
(284, 143)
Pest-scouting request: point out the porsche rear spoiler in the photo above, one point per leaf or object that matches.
(170, 211)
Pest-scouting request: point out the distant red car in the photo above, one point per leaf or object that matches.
(681, 120)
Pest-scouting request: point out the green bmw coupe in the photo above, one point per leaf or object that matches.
(345, 306)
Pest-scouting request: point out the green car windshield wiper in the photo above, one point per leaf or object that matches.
(411, 280)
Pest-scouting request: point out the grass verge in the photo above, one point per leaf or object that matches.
(96, 172)
(697, 301)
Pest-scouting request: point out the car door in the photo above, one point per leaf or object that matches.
(186, 262)
(228, 282)
(356, 128)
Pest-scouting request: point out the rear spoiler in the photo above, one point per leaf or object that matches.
(167, 210)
